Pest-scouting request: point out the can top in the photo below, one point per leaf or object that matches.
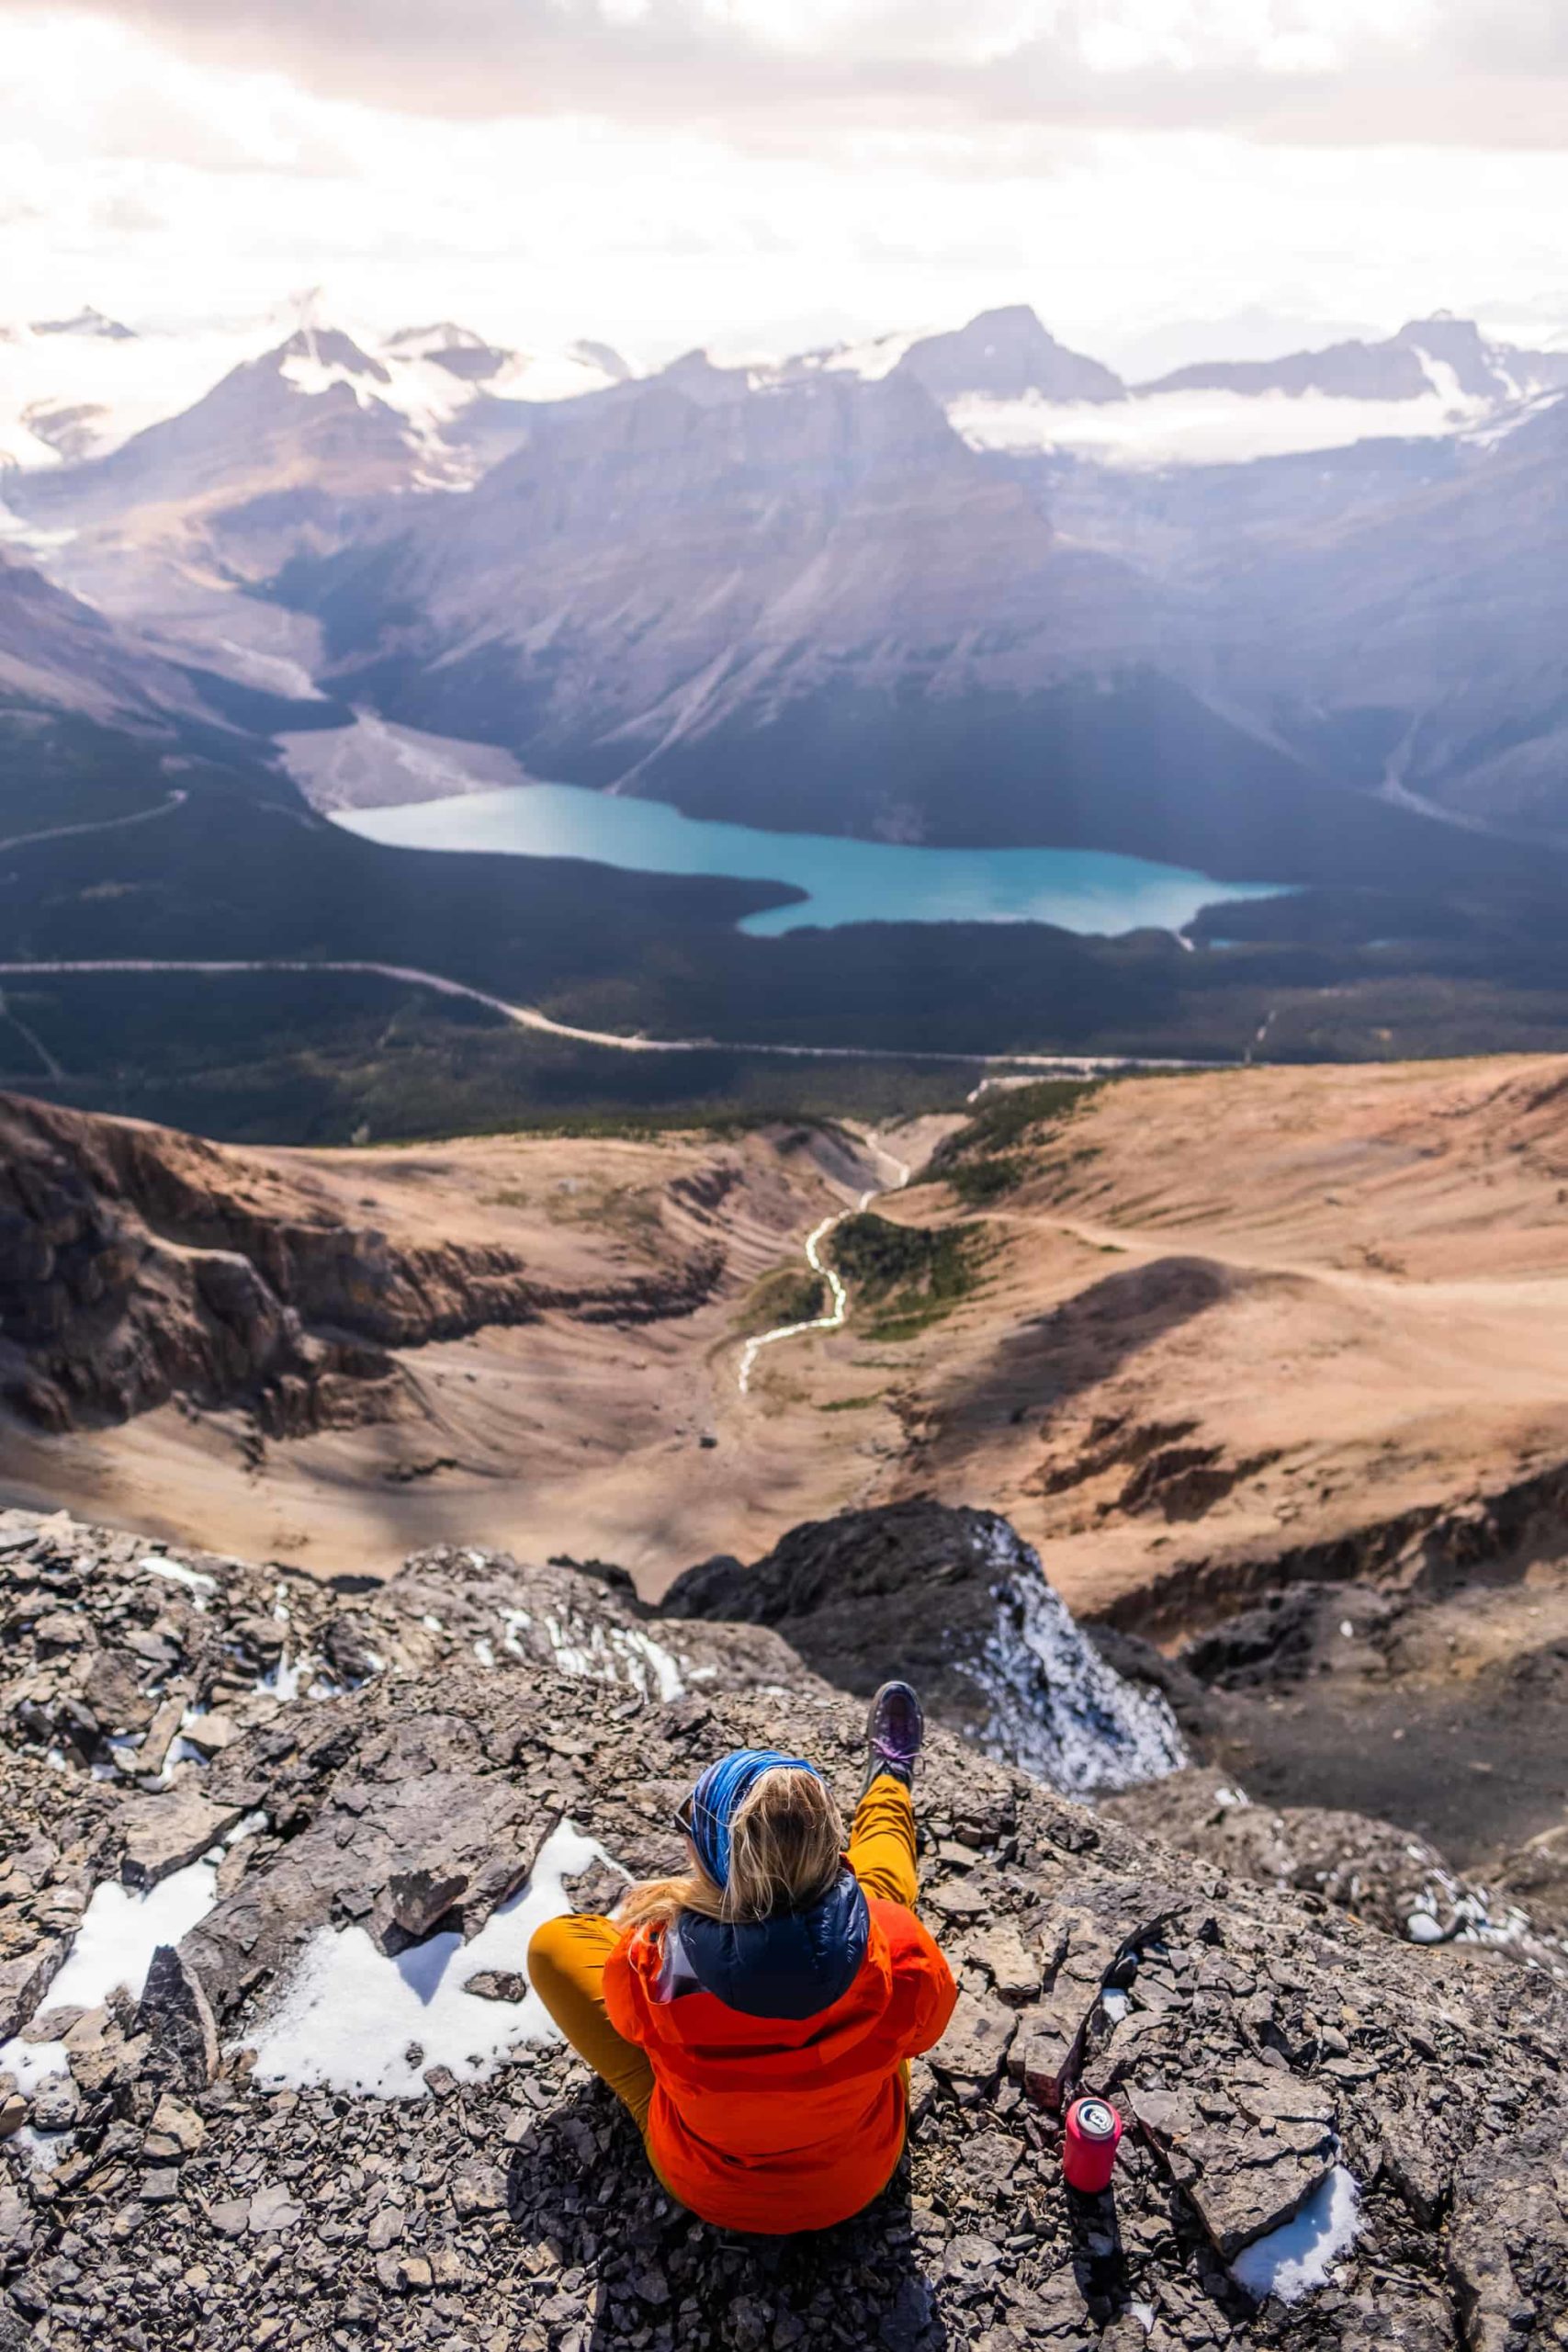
(1093, 2120)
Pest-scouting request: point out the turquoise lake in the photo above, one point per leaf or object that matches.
(1085, 890)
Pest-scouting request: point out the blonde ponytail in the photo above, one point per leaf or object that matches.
(786, 1848)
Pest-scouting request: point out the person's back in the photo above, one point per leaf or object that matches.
(756, 2015)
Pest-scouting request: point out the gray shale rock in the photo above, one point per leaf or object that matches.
(175, 2016)
(1248, 2027)
(1373, 1867)
(1248, 2150)
(160, 1835)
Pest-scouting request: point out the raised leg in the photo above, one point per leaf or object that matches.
(881, 1841)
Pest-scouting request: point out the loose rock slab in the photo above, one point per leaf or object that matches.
(1248, 2150)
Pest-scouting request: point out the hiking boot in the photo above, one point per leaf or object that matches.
(894, 1730)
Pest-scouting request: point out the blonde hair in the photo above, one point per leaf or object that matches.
(786, 1848)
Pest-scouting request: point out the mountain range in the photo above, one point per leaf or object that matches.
(808, 590)
(829, 595)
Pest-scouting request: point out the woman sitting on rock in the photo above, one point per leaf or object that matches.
(758, 2014)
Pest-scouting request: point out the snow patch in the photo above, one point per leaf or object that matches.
(1202, 428)
(28, 2063)
(872, 359)
(1290, 2261)
(618, 1653)
(43, 2150)
(406, 377)
(351, 2020)
(1471, 1920)
(115, 388)
(123, 1926)
(1493, 434)
(175, 1572)
(285, 1678)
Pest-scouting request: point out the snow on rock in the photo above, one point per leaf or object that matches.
(872, 359)
(351, 2020)
(1474, 1917)
(953, 1600)
(30, 2064)
(1201, 427)
(290, 1677)
(1056, 1708)
(413, 375)
(175, 1572)
(74, 391)
(44, 2151)
(123, 1926)
(617, 1654)
(1290, 2261)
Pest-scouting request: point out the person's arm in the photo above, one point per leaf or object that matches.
(623, 1992)
(931, 1993)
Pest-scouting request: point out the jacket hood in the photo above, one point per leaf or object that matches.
(792, 1966)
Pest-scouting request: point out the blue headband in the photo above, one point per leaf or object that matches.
(718, 1795)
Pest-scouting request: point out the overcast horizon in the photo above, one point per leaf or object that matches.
(661, 172)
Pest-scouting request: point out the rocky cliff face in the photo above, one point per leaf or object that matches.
(137, 1264)
(955, 1602)
(323, 2113)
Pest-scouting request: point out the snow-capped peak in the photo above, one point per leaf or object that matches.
(420, 342)
(87, 321)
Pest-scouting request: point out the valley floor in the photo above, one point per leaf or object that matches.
(1216, 1336)
(607, 1433)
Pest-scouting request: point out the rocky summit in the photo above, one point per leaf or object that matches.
(271, 2075)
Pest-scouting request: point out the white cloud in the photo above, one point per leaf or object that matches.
(665, 172)
(1408, 69)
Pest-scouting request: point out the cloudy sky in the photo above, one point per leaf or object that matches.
(738, 172)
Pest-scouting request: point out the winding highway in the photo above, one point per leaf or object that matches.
(98, 825)
(529, 1016)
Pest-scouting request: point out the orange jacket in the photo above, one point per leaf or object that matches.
(775, 2124)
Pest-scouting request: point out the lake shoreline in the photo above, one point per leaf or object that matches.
(832, 880)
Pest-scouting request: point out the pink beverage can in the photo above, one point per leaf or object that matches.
(1089, 2143)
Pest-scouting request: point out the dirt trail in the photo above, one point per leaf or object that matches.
(825, 1271)
(1149, 1246)
(1243, 1314)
